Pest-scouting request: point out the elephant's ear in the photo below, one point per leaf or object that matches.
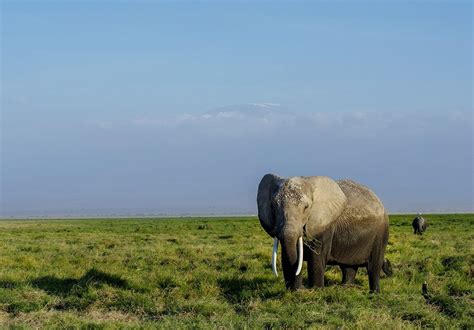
(267, 187)
(327, 205)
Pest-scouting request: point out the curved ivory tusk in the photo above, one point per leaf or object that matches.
(274, 256)
(300, 255)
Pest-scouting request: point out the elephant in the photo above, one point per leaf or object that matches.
(324, 222)
(419, 225)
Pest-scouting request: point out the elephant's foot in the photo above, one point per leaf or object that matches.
(295, 285)
(316, 285)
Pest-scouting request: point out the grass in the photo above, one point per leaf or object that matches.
(215, 272)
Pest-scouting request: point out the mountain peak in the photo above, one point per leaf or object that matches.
(260, 109)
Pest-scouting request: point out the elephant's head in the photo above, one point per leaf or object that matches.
(290, 208)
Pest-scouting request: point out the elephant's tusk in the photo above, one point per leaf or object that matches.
(300, 255)
(274, 256)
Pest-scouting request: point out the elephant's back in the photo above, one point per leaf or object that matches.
(361, 202)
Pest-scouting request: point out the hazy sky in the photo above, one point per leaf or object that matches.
(148, 107)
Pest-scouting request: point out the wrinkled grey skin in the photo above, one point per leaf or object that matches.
(343, 223)
(419, 225)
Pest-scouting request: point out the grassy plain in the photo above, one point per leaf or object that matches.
(215, 272)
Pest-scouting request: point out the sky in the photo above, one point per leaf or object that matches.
(124, 108)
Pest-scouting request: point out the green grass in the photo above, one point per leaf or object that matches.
(205, 272)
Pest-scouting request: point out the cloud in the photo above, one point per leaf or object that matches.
(275, 124)
(234, 118)
(227, 120)
(261, 118)
(214, 159)
(266, 104)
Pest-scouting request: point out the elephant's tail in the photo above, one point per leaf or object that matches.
(387, 267)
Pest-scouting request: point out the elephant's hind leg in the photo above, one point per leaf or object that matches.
(374, 266)
(348, 274)
(373, 269)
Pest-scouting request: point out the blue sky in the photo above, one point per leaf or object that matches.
(160, 107)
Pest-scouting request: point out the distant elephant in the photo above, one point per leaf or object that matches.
(419, 225)
(342, 223)
(348, 275)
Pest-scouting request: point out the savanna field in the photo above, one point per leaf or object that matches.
(216, 273)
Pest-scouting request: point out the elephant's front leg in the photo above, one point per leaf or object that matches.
(316, 267)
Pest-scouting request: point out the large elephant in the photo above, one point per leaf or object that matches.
(340, 222)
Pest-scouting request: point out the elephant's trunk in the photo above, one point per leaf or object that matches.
(275, 254)
(292, 260)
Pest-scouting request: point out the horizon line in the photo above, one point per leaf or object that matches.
(164, 216)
